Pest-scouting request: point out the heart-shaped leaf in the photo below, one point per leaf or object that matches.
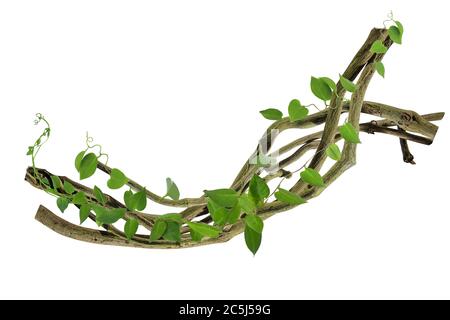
(258, 188)
(312, 177)
(289, 197)
(379, 67)
(223, 197)
(99, 195)
(254, 222)
(78, 159)
(159, 228)
(247, 204)
(348, 132)
(333, 152)
(88, 165)
(272, 114)
(252, 239)
(130, 228)
(79, 198)
(85, 210)
(62, 203)
(117, 179)
(172, 232)
(297, 111)
(347, 84)
(108, 216)
(68, 187)
(395, 34)
(378, 47)
(204, 229)
(321, 88)
(172, 190)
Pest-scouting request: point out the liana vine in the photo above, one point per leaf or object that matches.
(219, 215)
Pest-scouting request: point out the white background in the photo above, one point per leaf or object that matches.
(173, 88)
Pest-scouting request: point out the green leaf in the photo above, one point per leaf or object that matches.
(288, 197)
(378, 47)
(140, 200)
(79, 198)
(98, 194)
(204, 229)
(348, 132)
(399, 26)
(30, 150)
(176, 217)
(88, 165)
(329, 82)
(129, 200)
(347, 84)
(252, 239)
(247, 204)
(85, 210)
(172, 190)
(258, 188)
(321, 89)
(312, 177)
(234, 214)
(62, 203)
(254, 222)
(333, 152)
(217, 212)
(78, 159)
(130, 228)
(272, 114)
(379, 67)
(117, 179)
(56, 182)
(68, 187)
(159, 228)
(395, 34)
(195, 236)
(172, 232)
(223, 197)
(108, 216)
(297, 111)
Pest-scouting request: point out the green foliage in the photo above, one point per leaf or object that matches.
(234, 214)
(99, 195)
(135, 201)
(347, 84)
(85, 210)
(62, 203)
(78, 159)
(252, 239)
(378, 47)
(172, 190)
(218, 213)
(79, 198)
(88, 165)
(172, 232)
(108, 216)
(333, 152)
(379, 67)
(223, 197)
(258, 189)
(130, 228)
(399, 26)
(321, 88)
(117, 179)
(56, 182)
(247, 204)
(159, 228)
(272, 114)
(312, 177)
(254, 222)
(289, 197)
(297, 111)
(176, 217)
(349, 133)
(204, 230)
(68, 187)
(395, 34)
(195, 236)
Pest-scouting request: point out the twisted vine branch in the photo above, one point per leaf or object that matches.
(406, 125)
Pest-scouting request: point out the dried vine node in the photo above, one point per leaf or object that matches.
(218, 215)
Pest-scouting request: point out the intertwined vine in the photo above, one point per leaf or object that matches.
(221, 214)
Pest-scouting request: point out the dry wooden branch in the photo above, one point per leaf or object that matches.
(406, 125)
